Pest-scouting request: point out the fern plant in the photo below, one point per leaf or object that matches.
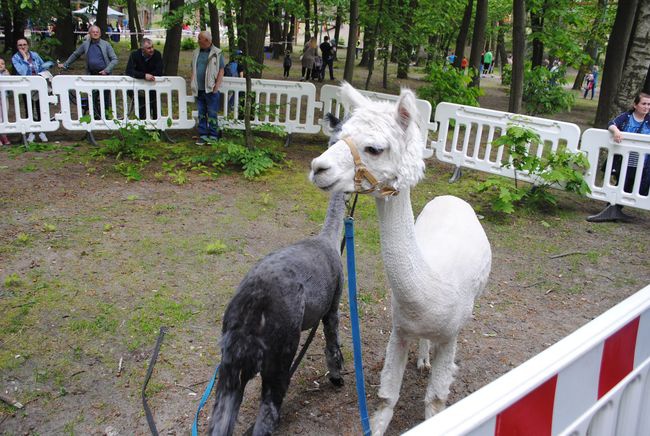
(560, 169)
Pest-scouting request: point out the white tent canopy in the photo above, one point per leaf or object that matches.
(92, 10)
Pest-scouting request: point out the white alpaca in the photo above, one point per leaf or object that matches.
(436, 266)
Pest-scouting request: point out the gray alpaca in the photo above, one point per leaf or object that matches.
(288, 291)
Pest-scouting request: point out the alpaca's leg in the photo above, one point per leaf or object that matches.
(333, 354)
(391, 381)
(443, 369)
(424, 362)
(275, 382)
(228, 397)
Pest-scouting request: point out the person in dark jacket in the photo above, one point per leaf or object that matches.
(145, 64)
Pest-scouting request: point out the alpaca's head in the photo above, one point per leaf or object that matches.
(387, 138)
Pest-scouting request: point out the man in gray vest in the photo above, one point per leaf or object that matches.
(207, 73)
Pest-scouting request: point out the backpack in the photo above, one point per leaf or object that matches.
(231, 69)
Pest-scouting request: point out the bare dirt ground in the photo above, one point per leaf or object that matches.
(92, 266)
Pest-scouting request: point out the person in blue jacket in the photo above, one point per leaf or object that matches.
(29, 63)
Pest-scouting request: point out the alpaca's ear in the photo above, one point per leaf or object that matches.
(332, 121)
(407, 111)
(352, 96)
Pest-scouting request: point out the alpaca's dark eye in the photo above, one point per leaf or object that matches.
(373, 150)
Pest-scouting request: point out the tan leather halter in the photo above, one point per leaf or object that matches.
(361, 173)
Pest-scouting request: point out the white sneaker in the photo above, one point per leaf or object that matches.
(42, 137)
(30, 137)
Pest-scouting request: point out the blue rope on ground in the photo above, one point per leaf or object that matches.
(354, 321)
(204, 398)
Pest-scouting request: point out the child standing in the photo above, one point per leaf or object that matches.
(287, 63)
(3, 72)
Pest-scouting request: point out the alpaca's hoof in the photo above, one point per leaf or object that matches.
(380, 420)
(337, 381)
(434, 408)
(424, 365)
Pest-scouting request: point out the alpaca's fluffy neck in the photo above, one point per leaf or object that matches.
(409, 275)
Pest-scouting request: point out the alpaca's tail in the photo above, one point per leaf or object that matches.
(334, 219)
(242, 359)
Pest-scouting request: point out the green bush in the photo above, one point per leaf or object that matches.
(189, 44)
(556, 169)
(450, 85)
(544, 91)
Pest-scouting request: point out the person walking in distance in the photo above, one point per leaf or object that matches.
(327, 50)
(207, 74)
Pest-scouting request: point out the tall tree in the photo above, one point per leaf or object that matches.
(518, 53)
(230, 25)
(375, 32)
(478, 39)
(172, 50)
(337, 27)
(615, 59)
(64, 30)
(7, 23)
(348, 72)
(461, 39)
(102, 17)
(307, 21)
(134, 23)
(637, 61)
(593, 43)
(537, 27)
(214, 22)
(275, 31)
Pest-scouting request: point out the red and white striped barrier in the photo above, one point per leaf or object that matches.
(595, 381)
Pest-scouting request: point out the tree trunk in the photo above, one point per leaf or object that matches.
(133, 18)
(501, 47)
(337, 29)
(230, 25)
(102, 17)
(315, 19)
(591, 47)
(275, 31)
(478, 40)
(65, 30)
(537, 26)
(365, 53)
(461, 40)
(8, 26)
(646, 86)
(292, 33)
(352, 43)
(375, 32)
(518, 53)
(406, 43)
(19, 19)
(384, 80)
(615, 59)
(307, 25)
(214, 23)
(637, 62)
(172, 50)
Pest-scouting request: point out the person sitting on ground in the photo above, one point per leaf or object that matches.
(145, 64)
(3, 72)
(29, 63)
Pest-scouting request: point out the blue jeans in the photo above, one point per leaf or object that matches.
(208, 106)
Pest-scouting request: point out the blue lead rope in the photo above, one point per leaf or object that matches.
(354, 321)
(204, 398)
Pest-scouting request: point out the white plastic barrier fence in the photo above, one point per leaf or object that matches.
(17, 111)
(465, 136)
(593, 382)
(601, 149)
(111, 101)
(291, 105)
(332, 103)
